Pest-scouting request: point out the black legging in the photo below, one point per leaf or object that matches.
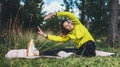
(87, 49)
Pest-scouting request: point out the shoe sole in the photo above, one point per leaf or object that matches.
(28, 46)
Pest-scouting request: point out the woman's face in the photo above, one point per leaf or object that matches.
(68, 26)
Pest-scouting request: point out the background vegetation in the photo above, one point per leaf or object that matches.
(18, 24)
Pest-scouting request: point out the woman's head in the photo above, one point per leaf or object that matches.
(66, 27)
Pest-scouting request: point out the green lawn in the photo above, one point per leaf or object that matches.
(65, 62)
(19, 42)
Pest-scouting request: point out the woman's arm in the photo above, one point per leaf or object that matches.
(52, 37)
(57, 38)
(49, 16)
(69, 15)
(41, 32)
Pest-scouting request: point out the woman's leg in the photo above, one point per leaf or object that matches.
(87, 49)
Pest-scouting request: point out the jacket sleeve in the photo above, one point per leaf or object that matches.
(69, 15)
(57, 38)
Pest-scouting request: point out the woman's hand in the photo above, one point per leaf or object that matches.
(41, 32)
(49, 16)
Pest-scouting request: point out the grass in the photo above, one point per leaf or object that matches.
(66, 62)
(19, 41)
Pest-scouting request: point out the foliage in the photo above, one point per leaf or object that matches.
(30, 13)
(9, 10)
(96, 14)
(69, 4)
(52, 24)
(29, 16)
(14, 15)
(16, 18)
(19, 41)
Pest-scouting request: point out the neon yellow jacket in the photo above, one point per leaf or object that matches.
(79, 33)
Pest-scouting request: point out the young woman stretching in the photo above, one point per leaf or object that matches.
(74, 31)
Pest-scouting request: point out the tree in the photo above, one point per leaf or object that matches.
(97, 13)
(119, 19)
(30, 14)
(82, 10)
(0, 14)
(78, 4)
(113, 22)
(9, 9)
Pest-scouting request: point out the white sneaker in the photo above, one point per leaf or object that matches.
(30, 48)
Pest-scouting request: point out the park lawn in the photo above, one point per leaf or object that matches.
(72, 61)
(18, 42)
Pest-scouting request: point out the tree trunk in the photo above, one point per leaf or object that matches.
(113, 22)
(0, 14)
(83, 12)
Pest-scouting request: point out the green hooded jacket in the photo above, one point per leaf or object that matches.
(79, 33)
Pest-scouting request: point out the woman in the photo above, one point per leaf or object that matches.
(74, 31)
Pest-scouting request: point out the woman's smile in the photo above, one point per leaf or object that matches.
(68, 25)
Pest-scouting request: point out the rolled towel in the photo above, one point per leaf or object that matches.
(21, 53)
(103, 53)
